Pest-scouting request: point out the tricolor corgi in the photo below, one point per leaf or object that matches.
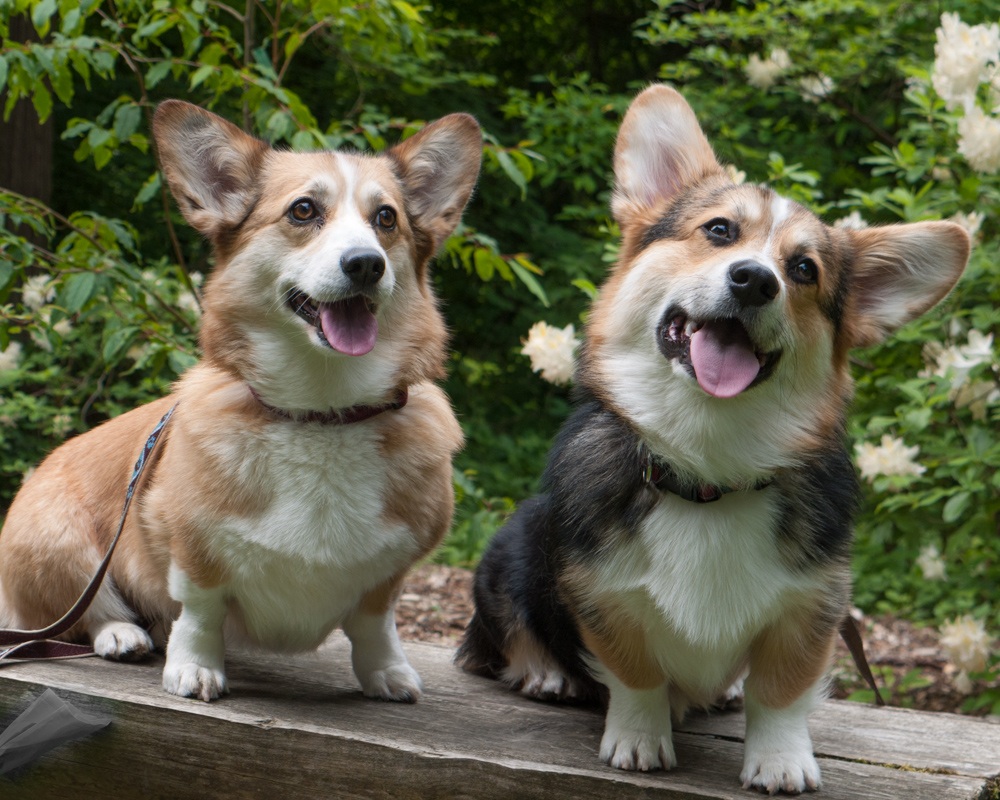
(308, 463)
(695, 526)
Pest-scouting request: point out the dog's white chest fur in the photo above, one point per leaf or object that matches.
(704, 579)
(300, 565)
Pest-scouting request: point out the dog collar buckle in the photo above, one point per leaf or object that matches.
(660, 476)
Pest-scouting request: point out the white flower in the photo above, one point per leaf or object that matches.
(941, 174)
(962, 58)
(551, 351)
(11, 357)
(815, 87)
(763, 73)
(61, 424)
(931, 563)
(35, 292)
(892, 457)
(971, 222)
(852, 221)
(780, 59)
(196, 278)
(979, 140)
(979, 348)
(956, 361)
(735, 175)
(967, 645)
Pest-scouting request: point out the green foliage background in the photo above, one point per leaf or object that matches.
(111, 316)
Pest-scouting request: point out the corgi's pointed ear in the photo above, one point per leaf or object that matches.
(438, 167)
(901, 271)
(660, 150)
(209, 163)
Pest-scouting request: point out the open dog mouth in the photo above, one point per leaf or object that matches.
(718, 353)
(347, 326)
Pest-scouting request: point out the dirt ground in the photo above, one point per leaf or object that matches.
(436, 604)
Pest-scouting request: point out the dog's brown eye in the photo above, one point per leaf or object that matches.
(303, 210)
(804, 270)
(719, 230)
(386, 218)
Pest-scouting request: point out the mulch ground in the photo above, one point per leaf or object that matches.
(436, 605)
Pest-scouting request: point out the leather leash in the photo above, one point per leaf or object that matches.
(850, 632)
(25, 645)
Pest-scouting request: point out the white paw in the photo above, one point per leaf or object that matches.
(638, 750)
(194, 680)
(551, 685)
(121, 641)
(399, 682)
(773, 772)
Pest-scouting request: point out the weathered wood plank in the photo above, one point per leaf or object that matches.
(299, 726)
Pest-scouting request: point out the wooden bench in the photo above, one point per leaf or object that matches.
(297, 728)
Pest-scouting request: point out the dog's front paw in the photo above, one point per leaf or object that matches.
(195, 680)
(638, 750)
(773, 772)
(121, 641)
(399, 682)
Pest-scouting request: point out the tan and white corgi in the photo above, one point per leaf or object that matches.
(695, 525)
(308, 462)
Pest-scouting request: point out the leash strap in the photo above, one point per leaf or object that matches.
(36, 644)
(851, 634)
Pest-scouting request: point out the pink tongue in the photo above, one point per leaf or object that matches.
(349, 326)
(723, 358)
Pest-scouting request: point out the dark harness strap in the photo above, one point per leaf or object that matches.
(38, 644)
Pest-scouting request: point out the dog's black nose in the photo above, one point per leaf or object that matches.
(363, 266)
(752, 284)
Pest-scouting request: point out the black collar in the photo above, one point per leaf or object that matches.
(659, 475)
(344, 416)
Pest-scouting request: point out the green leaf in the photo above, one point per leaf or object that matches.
(508, 166)
(956, 506)
(517, 264)
(157, 73)
(97, 137)
(6, 272)
(128, 117)
(102, 156)
(180, 361)
(406, 10)
(303, 141)
(3, 71)
(117, 343)
(263, 62)
(42, 101)
(148, 190)
(200, 75)
(586, 287)
(41, 14)
(77, 290)
(483, 261)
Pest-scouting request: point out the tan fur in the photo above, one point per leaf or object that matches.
(611, 634)
(793, 654)
(209, 469)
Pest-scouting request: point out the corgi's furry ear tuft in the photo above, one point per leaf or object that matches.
(209, 163)
(660, 150)
(900, 272)
(438, 166)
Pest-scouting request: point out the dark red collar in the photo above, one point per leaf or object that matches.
(658, 474)
(338, 417)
